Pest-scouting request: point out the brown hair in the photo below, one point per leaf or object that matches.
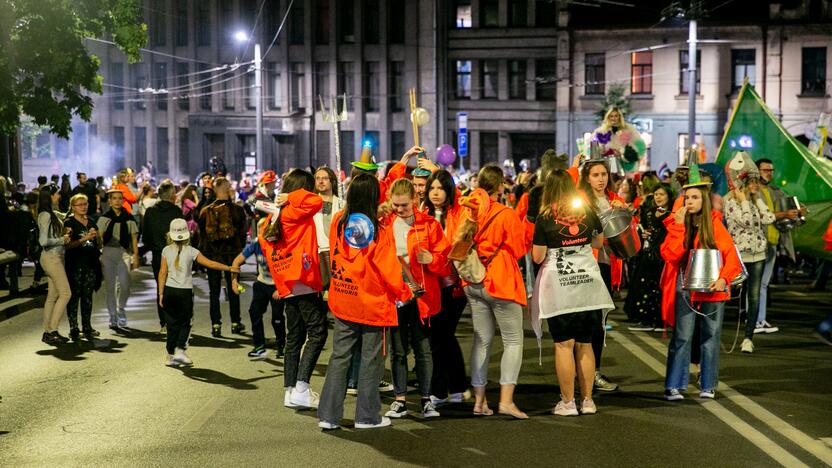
(333, 179)
(490, 178)
(584, 185)
(558, 191)
(700, 224)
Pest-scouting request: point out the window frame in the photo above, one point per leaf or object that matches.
(644, 76)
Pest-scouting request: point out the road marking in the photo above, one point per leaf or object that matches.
(475, 451)
(811, 445)
(797, 293)
(203, 414)
(778, 453)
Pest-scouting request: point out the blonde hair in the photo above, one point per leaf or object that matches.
(179, 245)
(73, 199)
(403, 187)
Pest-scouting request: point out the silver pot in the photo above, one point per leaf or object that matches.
(616, 167)
(620, 233)
(702, 269)
(786, 224)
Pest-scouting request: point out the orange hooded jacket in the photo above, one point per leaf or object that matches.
(363, 288)
(827, 237)
(673, 252)
(294, 258)
(426, 234)
(129, 197)
(503, 279)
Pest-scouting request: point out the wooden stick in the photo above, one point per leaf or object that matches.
(413, 116)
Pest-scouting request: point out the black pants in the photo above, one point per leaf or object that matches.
(82, 283)
(448, 363)
(214, 288)
(156, 264)
(179, 311)
(305, 322)
(260, 300)
(411, 333)
(598, 336)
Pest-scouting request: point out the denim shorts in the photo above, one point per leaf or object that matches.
(578, 326)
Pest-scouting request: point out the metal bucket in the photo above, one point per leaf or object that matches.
(743, 273)
(620, 233)
(615, 165)
(702, 269)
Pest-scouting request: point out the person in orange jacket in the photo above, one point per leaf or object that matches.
(449, 382)
(500, 297)
(695, 226)
(125, 178)
(423, 253)
(362, 297)
(596, 185)
(290, 245)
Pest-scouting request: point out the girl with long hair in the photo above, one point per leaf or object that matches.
(53, 238)
(568, 292)
(695, 226)
(362, 297)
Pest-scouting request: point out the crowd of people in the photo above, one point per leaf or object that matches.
(395, 260)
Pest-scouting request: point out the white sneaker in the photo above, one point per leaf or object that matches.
(170, 361)
(747, 346)
(183, 358)
(385, 421)
(429, 411)
(769, 328)
(287, 398)
(759, 328)
(588, 406)
(707, 394)
(307, 399)
(565, 408)
(328, 426)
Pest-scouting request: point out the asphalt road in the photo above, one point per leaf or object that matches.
(113, 403)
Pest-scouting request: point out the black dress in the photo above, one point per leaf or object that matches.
(643, 302)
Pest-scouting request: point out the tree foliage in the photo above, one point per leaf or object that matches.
(616, 97)
(46, 71)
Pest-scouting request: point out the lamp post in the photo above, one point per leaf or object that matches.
(241, 36)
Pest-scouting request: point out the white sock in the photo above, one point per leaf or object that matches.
(301, 386)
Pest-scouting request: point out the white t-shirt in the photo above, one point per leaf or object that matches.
(180, 277)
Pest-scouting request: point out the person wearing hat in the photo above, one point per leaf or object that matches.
(121, 242)
(695, 226)
(175, 288)
(367, 165)
(748, 218)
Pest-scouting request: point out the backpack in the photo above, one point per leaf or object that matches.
(219, 225)
(466, 260)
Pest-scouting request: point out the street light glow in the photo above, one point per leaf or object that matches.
(240, 36)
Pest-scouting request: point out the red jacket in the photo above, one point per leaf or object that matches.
(827, 237)
(426, 233)
(364, 288)
(673, 252)
(294, 258)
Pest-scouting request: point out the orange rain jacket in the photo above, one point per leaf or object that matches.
(294, 258)
(673, 252)
(503, 279)
(129, 197)
(364, 288)
(827, 237)
(426, 234)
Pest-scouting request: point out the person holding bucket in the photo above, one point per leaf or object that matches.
(694, 232)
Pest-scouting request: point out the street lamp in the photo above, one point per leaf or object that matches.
(241, 36)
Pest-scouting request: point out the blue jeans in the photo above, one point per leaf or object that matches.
(678, 353)
(751, 299)
(768, 271)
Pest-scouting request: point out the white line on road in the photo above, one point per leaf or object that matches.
(203, 414)
(754, 436)
(475, 451)
(811, 445)
(797, 293)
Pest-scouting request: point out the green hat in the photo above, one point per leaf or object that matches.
(695, 178)
(419, 172)
(367, 161)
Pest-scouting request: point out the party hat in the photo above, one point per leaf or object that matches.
(368, 160)
(695, 178)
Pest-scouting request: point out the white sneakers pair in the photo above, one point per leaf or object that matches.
(570, 408)
(178, 359)
(329, 426)
(294, 399)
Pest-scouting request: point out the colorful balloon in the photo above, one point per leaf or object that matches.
(445, 154)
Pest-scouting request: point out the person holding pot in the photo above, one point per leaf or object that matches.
(693, 227)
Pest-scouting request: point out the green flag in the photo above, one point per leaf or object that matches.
(798, 172)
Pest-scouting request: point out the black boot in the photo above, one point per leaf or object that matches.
(75, 335)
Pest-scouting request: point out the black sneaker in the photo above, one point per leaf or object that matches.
(279, 351)
(258, 353)
(216, 331)
(75, 334)
(641, 327)
(91, 333)
(237, 328)
(60, 338)
(49, 339)
(397, 410)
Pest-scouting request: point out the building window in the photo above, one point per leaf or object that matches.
(250, 91)
(397, 144)
(322, 150)
(684, 74)
(346, 82)
(517, 79)
(641, 70)
(158, 23)
(139, 147)
(205, 91)
(371, 21)
(461, 14)
(275, 86)
(489, 147)
(461, 80)
(322, 22)
(813, 71)
(160, 82)
(489, 78)
(184, 149)
(743, 64)
(202, 18)
(272, 18)
(140, 82)
(518, 13)
(396, 22)
(296, 74)
(372, 89)
(346, 21)
(347, 149)
(489, 13)
(181, 21)
(545, 14)
(595, 69)
(162, 156)
(396, 90)
(546, 85)
(183, 82)
(296, 24)
(117, 80)
(228, 95)
(118, 149)
(226, 15)
(322, 79)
